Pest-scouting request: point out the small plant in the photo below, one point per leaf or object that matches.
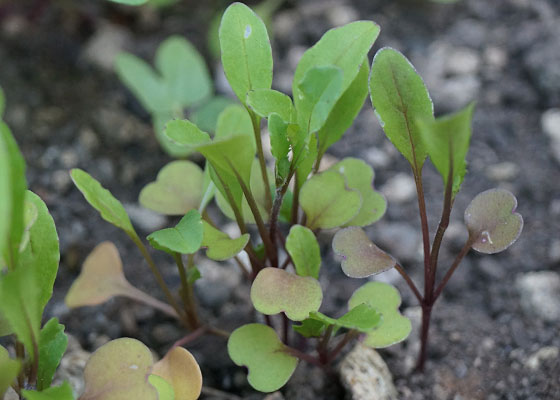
(330, 87)
(280, 210)
(29, 259)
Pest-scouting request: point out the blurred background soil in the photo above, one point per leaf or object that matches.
(495, 333)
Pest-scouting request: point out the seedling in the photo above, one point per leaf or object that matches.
(284, 260)
(29, 258)
(405, 111)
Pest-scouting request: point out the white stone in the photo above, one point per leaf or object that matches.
(145, 219)
(546, 353)
(399, 189)
(107, 42)
(365, 375)
(540, 294)
(550, 123)
(462, 61)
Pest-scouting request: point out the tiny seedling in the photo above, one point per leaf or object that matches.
(29, 259)
(278, 222)
(280, 210)
(405, 111)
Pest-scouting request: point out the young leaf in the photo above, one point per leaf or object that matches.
(42, 253)
(359, 176)
(386, 300)
(19, 305)
(279, 144)
(177, 189)
(360, 257)
(275, 290)
(310, 328)
(102, 200)
(305, 163)
(345, 110)
(230, 155)
(9, 370)
(62, 392)
(185, 238)
(101, 278)
(319, 90)
(12, 193)
(267, 101)
(234, 120)
(362, 318)
(327, 202)
(184, 71)
(181, 370)
(119, 370)
(184, 135)
(492, 221)
(400, 98)
(246, 53)
(219, 245)
(344, 47)
(447, 141)
(257, 347)
(52, 345)
(302, 246)
(164, 389)
(144, 83)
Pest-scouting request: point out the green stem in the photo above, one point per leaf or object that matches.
(186, 290)
(260, 154)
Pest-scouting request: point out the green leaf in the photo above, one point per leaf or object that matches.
(345, 110)
(193, 275)
(310, 328)
(130, 2)
(177, 190)
(12, 193)
(360, 257)
(447, 141)
(181, 370)
(344, 47)
(159, 121)
(257, 347)
(246, 53)
(302, 246)
(275, 290)
(280, 146)
(258, 191)
(267, 101)
(234, 120)
(184, 238)
(492, 221)
(319, 90)
(228, 155)
(400, 98)
(9, 370)
(62, 392)
(219, 245)
(102, 200)
(150, 89)
(359, 176)
(164, 389)
(305, 163)
(184, 136)
(20, 306)
(184, 71)
(42, 254)
(386, 300)
(119, 370)
(362, 318)
(52, 345)
(327, 202)
(206, 116)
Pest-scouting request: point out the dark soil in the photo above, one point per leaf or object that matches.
(67, 112)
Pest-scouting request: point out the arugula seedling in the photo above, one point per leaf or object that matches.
(405, 111)
(330, 86)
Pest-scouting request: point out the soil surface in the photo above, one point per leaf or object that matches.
(489, 337)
